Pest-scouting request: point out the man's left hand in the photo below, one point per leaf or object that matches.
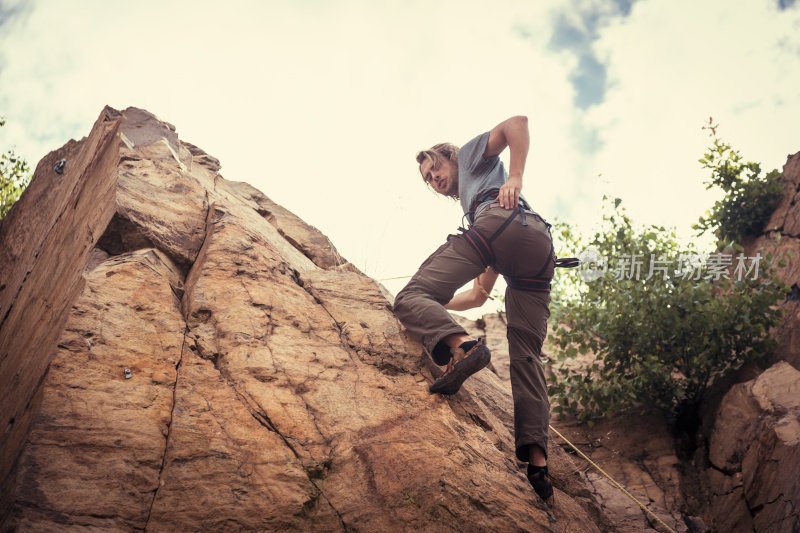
(509, 193)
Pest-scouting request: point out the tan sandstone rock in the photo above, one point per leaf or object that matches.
(752, 432)
(781, 238)
(754, 449)
(637, 452)
(271, 388)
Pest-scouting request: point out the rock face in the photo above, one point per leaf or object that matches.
(754, 454)
(177, 353)
(781, 237)
(638, 453)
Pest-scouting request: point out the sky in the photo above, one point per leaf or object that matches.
(323, 105)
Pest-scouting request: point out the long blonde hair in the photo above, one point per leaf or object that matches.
(435, 154)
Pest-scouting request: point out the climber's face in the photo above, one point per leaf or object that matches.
(442, 176)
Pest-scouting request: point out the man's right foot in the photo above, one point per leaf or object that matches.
(540, 480)
(462, 366)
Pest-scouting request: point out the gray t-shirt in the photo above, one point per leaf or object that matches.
(477, 175)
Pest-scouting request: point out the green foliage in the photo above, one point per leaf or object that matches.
(14, 177)
(749, 198)
(659, 338)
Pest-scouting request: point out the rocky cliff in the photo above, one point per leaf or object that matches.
(750, 439)
(179, 353)
(752, 455)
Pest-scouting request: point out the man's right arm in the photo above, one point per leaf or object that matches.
(477, 295)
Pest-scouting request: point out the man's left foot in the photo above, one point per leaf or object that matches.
(461, 366)
(540, 480)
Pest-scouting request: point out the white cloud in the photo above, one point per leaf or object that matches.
(672, 65)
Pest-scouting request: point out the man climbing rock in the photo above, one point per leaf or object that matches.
(505, 237)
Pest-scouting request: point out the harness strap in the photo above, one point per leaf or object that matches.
(517, 210)
(491, 194)
(480, 245)
(528, 284)
(550, 256)
(567, 262)
(483, 246)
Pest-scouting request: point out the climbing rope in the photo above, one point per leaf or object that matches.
(620, 487)
(396, 277)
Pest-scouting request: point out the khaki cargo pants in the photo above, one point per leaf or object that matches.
(521, 251)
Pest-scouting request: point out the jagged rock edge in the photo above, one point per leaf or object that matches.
(75, 196)
(258, 412)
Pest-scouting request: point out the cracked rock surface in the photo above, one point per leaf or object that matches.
(754, 454)
(271, 388)
(637, 452)
(781, 238)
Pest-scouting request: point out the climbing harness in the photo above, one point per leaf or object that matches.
(483, 245)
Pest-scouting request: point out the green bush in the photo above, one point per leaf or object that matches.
(660, 338)
(14, 177)
(749, 199)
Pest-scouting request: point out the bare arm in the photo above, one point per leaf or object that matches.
(513, 134)
(474, 297)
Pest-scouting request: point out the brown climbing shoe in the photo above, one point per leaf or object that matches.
(540, 480)
(461, 366)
